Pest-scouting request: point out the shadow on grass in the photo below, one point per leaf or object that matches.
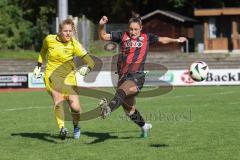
(159, 145)
(41, 136)
(101, 137)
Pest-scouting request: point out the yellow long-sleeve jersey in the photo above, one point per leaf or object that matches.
(59, 61)
(58, 53)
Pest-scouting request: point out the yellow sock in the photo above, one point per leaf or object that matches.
(59, 115)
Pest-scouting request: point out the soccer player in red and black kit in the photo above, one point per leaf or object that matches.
(134, 49)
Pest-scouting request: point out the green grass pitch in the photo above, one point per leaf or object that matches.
(189, 123)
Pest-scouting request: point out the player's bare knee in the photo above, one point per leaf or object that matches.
(60, 103)
(133, 90)
(75, 109)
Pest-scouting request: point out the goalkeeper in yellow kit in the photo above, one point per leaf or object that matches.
(58, 52)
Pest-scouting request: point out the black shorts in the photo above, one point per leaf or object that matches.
(138, 78)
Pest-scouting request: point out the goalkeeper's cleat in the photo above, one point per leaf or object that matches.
(76, 132)
(63, 133)
(145, 130)
(105, 109)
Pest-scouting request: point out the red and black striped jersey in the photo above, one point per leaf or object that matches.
(133, 51)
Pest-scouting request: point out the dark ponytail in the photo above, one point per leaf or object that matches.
(135, 19)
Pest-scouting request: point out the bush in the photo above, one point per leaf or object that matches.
(15, 32)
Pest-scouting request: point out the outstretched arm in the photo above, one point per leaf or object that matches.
(166, 40)
(103, 35)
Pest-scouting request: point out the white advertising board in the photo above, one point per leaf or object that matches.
(153, 78)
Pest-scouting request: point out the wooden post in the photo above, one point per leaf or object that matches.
(234, 33)
(206, 30)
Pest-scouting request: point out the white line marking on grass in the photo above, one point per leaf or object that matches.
(188, 95)
(221, 93)
(234, 103)
(24, 108)
(229, 92)
(37, 107)
(192, 95)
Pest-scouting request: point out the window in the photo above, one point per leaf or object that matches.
(212, 27)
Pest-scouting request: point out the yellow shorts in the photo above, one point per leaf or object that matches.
(65, 84)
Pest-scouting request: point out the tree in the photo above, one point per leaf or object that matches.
(25, 23)
(42, 14)
(15, 31)
(119, 11)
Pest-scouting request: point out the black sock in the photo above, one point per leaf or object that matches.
(137, 118)
(117, 100)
